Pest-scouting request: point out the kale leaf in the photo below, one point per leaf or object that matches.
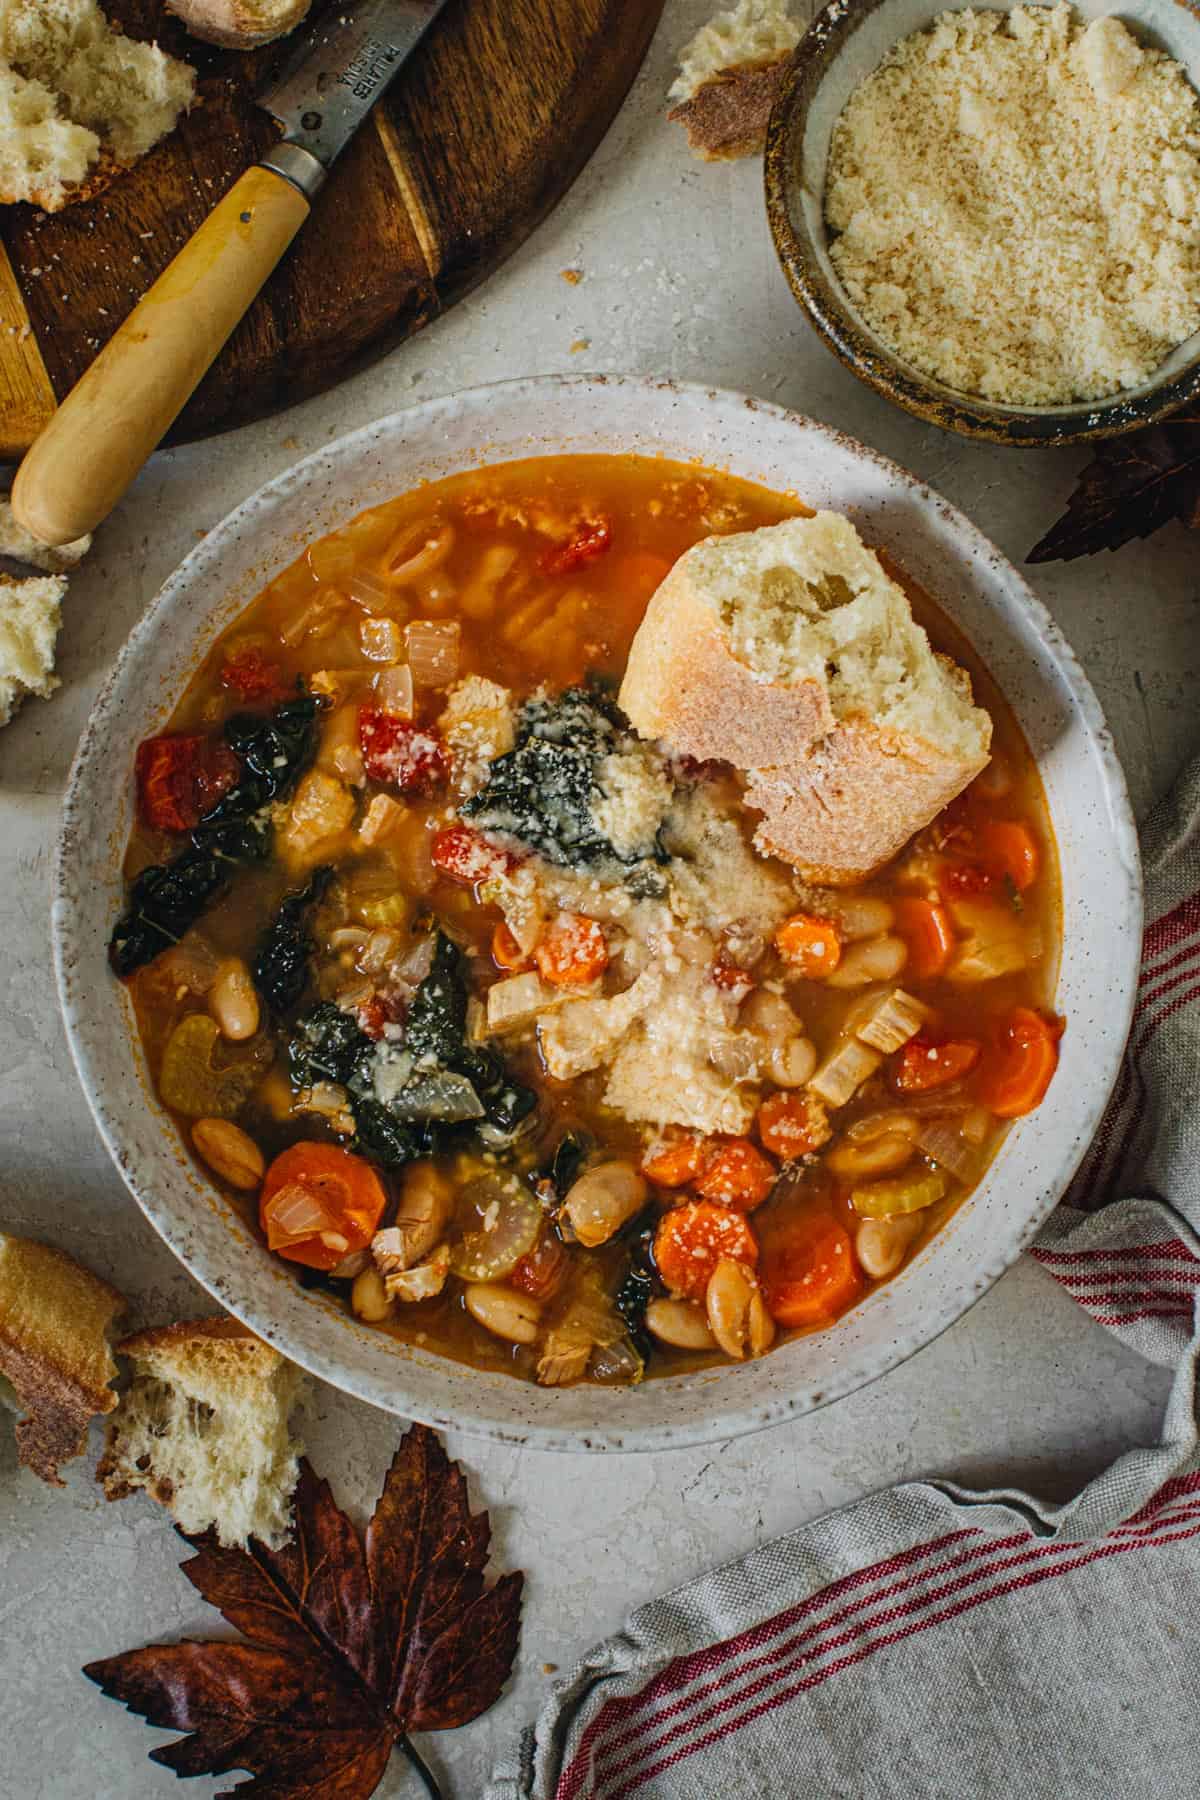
(436, 1027)
(638, 1287)
(543, 790)
(167, 899)
(327, 1044)
(281, 963)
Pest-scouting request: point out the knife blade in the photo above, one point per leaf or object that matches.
(334, 77)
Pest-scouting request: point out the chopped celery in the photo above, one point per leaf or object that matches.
(902, 1194)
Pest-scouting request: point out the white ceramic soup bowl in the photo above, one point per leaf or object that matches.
(980, 591)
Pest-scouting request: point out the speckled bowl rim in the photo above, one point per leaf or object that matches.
(96, 816)
(859, 349)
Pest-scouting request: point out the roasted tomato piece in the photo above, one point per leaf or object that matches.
(395, 751)
(469, 857)
(179, 779)
(591, 540)
(249, 674)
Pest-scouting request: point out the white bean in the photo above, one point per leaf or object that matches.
(680, 1323)
(872, 959)
(880, 1244)
(769, 1017)
(879, 1156)
(603, 1199)
(503, 1312)
(233, 1001)
(368, 1297)
(791, 1065)
(737, 1314)
(229, 1152)
(863, 916)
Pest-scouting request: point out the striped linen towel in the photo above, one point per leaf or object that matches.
(932, 1641)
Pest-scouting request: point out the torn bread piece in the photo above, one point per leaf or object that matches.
(203, 1428)
(30, 617)
(79, 101)
(791, 653)
(55, 1321)
(240, 24)
(730, 76)
(21, 546)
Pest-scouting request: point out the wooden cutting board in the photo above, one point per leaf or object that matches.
(479, 136)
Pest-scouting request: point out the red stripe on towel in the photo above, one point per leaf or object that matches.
(1172, 928)
(1056, 1562)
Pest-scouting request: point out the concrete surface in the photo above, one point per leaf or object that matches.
(680, 279)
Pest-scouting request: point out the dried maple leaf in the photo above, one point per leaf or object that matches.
(1132, 486)
(351, 1643)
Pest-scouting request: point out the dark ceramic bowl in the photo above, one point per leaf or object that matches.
(846, 43)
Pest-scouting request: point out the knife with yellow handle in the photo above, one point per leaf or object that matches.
(117, 414)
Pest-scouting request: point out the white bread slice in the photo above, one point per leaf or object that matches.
(55, 1321)
(791, 653)
(79, 101)
(203, 1427)
(30, 617)
(240, 24)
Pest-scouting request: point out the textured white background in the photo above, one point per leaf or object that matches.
(680, 279)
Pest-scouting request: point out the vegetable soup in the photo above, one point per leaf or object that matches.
(488, 1014)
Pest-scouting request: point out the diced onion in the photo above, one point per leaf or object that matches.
(976, 1125)
(394, 689)
(331, 560)
(406, 563)
(943, 1142)
(371, 592)
(379, 639)
(433, 651)
(293, 1215)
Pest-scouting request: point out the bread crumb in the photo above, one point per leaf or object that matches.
(752, 31)
(1016, 203)
(574, 276)
(580, 344)
(30, 617)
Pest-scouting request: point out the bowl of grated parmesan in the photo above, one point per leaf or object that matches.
(992, 216)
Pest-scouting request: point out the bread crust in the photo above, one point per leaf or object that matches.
(845, 808)
(231, 25)
(55, 1322)
(683, 684)
(727, 116)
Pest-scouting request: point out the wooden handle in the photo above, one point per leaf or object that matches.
(114, 417)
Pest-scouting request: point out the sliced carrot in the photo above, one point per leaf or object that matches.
(692, 1239)
(812, 946)
(926, 929)
(810, 1276)
(792, 1125)
(1009, 850)
(736, 1174)
(573, 952)
(319, 1203)
(1018, 1065)
(506, 952)
(671, 1162)
(927, 1062)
